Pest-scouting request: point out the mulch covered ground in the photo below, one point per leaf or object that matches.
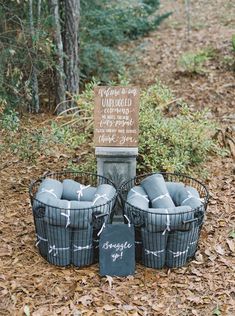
(206, 286)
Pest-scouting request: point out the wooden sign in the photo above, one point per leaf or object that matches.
(117, 250)
(116, 116)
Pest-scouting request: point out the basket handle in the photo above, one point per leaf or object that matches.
(100, 215)
(190, 221)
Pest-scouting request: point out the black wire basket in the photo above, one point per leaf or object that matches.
(66, 229)
(165, 237)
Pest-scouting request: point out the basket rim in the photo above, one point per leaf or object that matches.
(92, 208)
(205, 202)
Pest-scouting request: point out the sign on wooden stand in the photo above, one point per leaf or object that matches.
(116, 116)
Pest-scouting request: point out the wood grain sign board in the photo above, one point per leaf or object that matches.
(116, 116)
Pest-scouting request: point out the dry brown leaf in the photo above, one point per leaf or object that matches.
(86, 300)
(231, 244)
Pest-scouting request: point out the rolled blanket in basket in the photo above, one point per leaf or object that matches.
(177, 248)
(82, 248)
(156, 189)
(154, 249)
(41, 233)
(137, 197)
(137, 191)
(48, 188)
(69, 213)
(73, 190)
(184, 195)
(103, 194)
(138, 245)
(59, 239)
(162, 220)
(193, 240)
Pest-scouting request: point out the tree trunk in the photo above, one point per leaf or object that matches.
(59, 71)
(71, 45)
(34, 78)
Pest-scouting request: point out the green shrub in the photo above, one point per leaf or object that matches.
(180, 143)
(191, 62)
(9, 120)
(233, 42)
(104, 25)
(174, 144)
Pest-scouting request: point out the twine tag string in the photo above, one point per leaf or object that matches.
(156, 253)
(168, 222)
(79, 248)
(162, 197)
(40, 239)
(67, 214)
(80, 191)
(138, 194)
(51, 191)
(178, 253)
(99, 196)
(56, 250)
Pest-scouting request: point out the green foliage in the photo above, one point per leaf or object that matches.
(104, 25)
(233, 42)
(9, 120)
(180, 143)
(174, 144)
(232, 234)
(217, 311)
(191, 62)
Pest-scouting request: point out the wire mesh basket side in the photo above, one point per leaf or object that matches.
(67, 236)
(156, 246)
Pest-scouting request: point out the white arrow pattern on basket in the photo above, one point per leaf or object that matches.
(155, 253)
(78, 248)
(80, 192)
(138, 194)
(56, 250)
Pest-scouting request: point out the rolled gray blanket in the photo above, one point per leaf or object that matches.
(184, 195)
(64, 213)
(154, 249)
(73, 190)
(137, 191)
(175, 190)
(177, 248)
(103, 194)
(48, 188)
(82, 248)
(59, 239)
(193, 241)
(138, 198)
(160, 219)
(156, 189)
(41, 233)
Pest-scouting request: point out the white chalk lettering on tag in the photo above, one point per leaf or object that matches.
(117, 247)
(116, 256)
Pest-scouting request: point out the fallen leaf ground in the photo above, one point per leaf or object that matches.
(206, 286)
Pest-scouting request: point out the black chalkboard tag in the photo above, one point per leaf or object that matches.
(117, 250)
